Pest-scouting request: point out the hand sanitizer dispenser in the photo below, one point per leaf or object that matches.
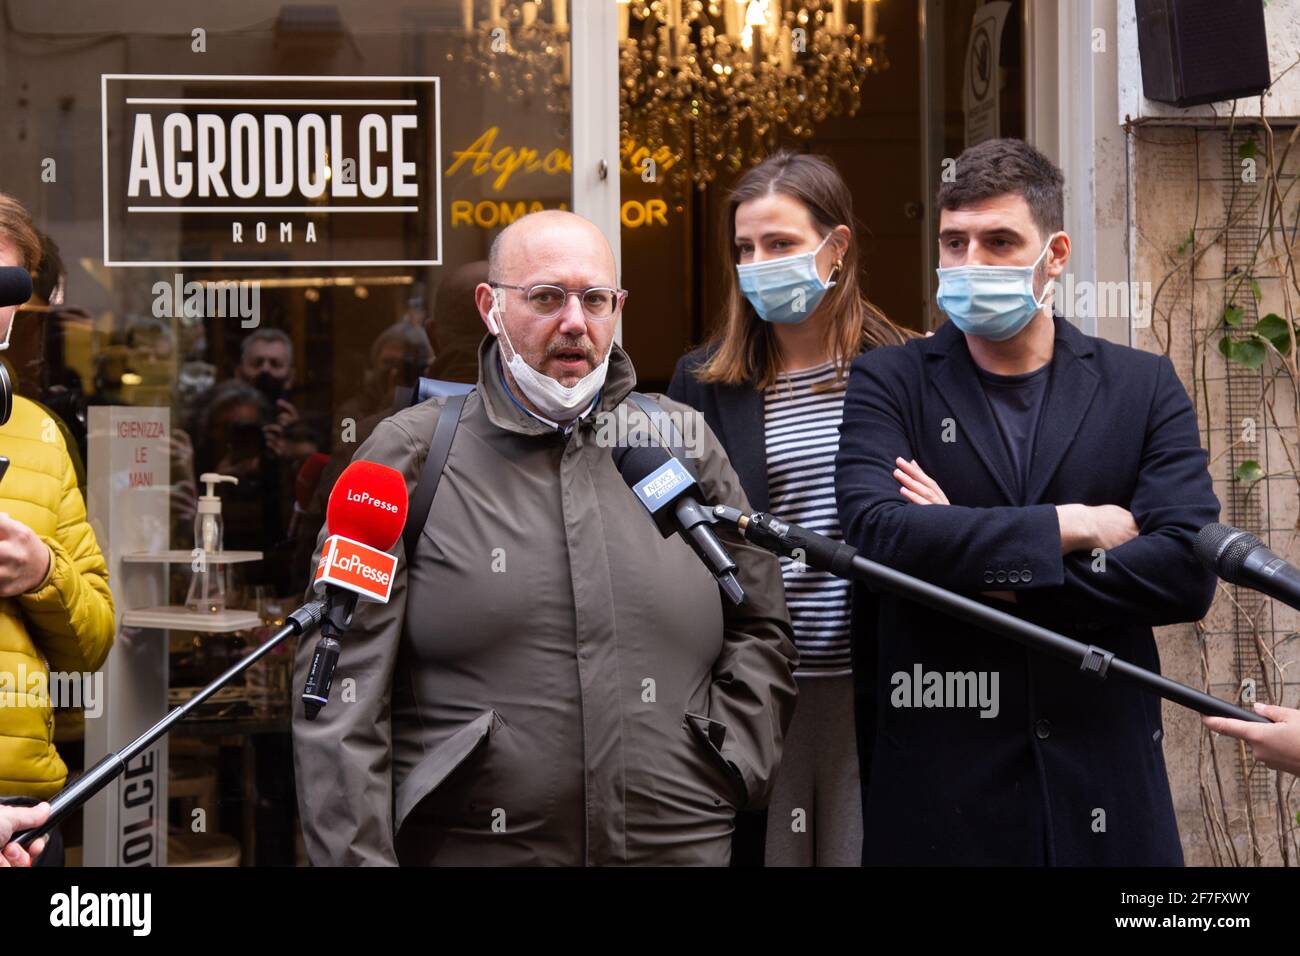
(208, 587)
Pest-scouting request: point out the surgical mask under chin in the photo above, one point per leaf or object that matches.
(785, 290)
(559, 402)
(992, 302)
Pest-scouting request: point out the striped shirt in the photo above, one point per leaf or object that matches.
(802, 435)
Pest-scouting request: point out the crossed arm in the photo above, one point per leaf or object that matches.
(1083, 527)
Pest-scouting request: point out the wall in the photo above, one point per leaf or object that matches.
(1171, 195)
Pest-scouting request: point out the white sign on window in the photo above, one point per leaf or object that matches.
(271, 170)
(980, 88)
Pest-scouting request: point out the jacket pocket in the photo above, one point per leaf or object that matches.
(437, 765)
(710, 735)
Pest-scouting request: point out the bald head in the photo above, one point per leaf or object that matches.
(554, 248)
(553, 235)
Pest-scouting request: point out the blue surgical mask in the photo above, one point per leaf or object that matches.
(992, 302)
(785, 290)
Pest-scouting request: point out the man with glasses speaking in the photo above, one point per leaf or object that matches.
(553, 681)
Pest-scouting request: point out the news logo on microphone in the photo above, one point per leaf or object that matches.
(355, 567)
(658, 487)
(365, 517)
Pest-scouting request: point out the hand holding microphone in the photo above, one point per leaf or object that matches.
(365, 517)
(1275, 745)
(14, 819)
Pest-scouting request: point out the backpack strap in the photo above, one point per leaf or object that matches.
(662, 424)
(427, 486)
(445, 431)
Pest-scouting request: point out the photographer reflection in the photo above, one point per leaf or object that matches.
(266, 363)
(231, 438)
(38, 349)
(399, 356)
(401, 353)
(248, 427)
(455, 329)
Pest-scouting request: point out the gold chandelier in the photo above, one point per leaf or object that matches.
(515, 51)
(704, 85)
(719, 81)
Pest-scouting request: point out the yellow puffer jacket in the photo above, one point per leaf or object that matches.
(67, 622)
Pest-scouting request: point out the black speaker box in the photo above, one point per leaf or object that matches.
(1202, 51)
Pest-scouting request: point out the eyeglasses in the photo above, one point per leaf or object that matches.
(547, 301)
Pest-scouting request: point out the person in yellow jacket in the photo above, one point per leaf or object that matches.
(56, 610)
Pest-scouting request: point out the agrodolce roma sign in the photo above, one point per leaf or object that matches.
(271, 170)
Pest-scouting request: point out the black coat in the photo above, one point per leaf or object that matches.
(1071, 770)
(735, 414)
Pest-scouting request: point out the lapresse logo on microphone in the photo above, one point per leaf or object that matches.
(355, 567)
(366, 498)
(271, 171)
(658, 486)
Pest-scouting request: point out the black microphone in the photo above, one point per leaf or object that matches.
(298, 623)
(15, 286)
(1240, 558)
(672, 496)
(826, 554)
(15, 289)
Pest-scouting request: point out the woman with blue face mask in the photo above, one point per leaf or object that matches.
(770, 383)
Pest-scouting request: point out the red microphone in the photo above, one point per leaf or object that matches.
(365, 517)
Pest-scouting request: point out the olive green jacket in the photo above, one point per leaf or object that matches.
(552, 681)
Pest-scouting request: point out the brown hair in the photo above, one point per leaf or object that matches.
(746, 349)
(16, 226)
(1000, 167)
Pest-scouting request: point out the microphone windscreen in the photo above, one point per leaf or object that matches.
(1223, 549)
(368, 504)
(15, 286)
(635, 462)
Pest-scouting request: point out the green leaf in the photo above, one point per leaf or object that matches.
(1255, 290)
(1248, 470)
(1249, 352)
(1232, 315)
(1191, 237)
(1274, 328)
(1247, 149)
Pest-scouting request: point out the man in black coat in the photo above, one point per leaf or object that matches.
(1056, 475)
